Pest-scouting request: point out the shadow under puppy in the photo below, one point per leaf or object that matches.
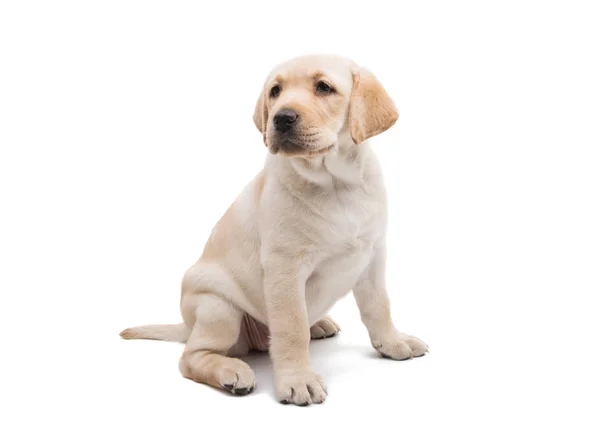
(305, 231)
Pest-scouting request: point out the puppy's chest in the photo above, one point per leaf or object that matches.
(346, 249)
(350, 222)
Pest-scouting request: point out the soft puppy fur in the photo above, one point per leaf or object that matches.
(309, 228)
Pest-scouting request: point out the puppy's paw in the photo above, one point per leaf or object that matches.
(326, 327)
(236, 377)
(300, 386)
(233, 375)
(400, 346)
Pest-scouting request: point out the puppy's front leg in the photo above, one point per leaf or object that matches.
(295, 381)
(374, 306)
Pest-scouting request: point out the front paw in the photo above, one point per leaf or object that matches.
(300, 386)
(400, 346)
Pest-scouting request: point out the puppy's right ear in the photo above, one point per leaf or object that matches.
(261, 115)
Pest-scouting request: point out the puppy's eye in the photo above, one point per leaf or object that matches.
(275, 91)
(324, 88)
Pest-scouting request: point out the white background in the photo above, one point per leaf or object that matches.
(126, 131)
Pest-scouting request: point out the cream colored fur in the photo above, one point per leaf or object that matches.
(309, 228)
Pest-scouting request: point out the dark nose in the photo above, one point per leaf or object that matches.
(284, 119)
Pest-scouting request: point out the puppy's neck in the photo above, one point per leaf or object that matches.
(342, 166)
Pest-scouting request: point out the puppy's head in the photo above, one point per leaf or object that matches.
(308, 104)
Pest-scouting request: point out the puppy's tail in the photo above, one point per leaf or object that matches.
(164, 332)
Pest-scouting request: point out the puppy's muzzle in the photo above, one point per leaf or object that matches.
(284, 120)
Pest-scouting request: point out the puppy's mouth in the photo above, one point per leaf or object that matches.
(289, 147)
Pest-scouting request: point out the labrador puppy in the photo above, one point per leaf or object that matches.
(309, 228)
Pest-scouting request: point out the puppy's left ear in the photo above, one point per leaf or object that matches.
(261, 115)
(372, 111)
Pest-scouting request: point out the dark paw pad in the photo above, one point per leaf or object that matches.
(238, 391)
(242, 391)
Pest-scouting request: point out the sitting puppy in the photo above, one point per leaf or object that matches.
(309, 228)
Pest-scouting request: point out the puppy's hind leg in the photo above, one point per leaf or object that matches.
(215, 332)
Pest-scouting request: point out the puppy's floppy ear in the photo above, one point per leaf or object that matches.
(371, 110)
(261, 115)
